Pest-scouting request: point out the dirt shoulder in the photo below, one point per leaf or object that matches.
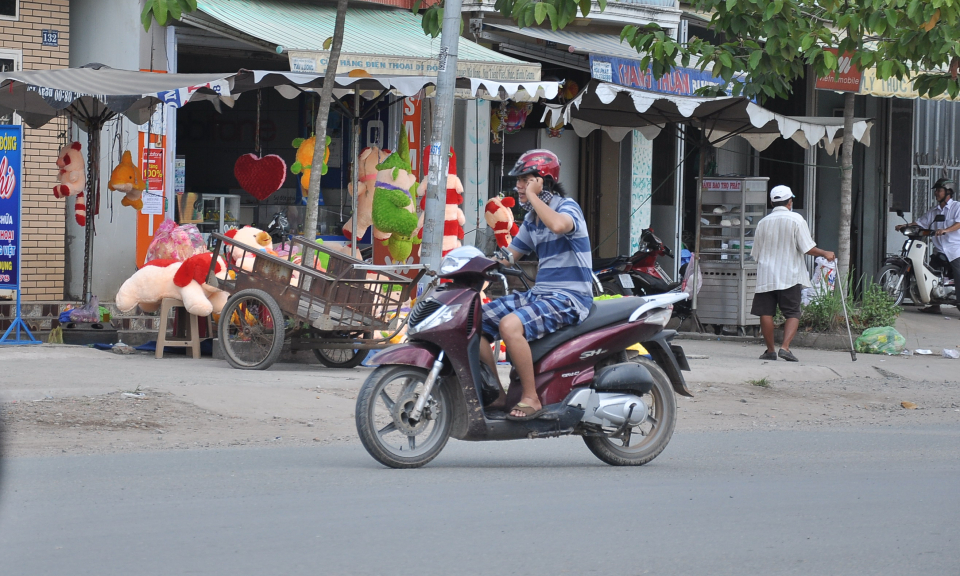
(121, 404)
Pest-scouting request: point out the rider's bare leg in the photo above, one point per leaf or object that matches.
(486, 356)
(511, 330)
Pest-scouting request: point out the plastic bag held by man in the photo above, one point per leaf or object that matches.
(172, 242)
(881, 340)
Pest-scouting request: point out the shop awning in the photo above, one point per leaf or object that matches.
(100, 91)
(617, 110)
(572, 41)
(378, 41)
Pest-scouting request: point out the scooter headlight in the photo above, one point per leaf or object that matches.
(441, 316)
(458, 258)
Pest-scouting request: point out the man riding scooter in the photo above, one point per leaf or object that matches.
(947, 238)
(555, 229)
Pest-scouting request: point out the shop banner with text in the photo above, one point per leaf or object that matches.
(627, 72)
(154, 202)
(11, 176)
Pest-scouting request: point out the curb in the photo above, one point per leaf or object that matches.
(813, 340)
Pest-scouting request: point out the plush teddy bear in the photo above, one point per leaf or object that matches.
(185, 281)
(255, 240)
(393, 209)
(73, 179)
(304, 163)
(126, 178)
(453, 218)
(367, 168)
(499, 217)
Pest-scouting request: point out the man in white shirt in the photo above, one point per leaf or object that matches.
(947, 239)
(780, 242)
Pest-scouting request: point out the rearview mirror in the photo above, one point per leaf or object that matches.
(900, 213)
(940, 218)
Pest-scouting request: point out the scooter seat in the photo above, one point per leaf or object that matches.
(602, 313)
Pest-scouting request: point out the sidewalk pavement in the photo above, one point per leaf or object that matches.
(736, 359)
(292, 390)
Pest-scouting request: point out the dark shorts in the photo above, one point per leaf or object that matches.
(765, 303)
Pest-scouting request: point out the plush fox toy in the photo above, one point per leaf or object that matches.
(126, 178)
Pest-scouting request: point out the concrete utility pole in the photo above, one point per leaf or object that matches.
(440, 137)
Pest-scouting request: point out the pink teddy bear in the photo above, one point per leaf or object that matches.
(73, 179)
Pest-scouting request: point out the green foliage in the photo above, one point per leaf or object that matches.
(762, 382)
(164, 10)
(765, 45)
(875, 308)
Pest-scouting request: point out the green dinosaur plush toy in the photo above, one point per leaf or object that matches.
(393, 207)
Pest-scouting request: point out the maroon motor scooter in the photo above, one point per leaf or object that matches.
(434, 386)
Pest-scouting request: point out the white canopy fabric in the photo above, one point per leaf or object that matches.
(99, 92)
(618, 110)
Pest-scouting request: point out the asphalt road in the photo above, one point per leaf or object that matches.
(878, 501)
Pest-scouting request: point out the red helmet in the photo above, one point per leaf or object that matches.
(543, 163)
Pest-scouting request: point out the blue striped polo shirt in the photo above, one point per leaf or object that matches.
(566, 265)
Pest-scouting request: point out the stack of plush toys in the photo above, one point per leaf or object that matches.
(393, 211)
(186, 280)
(453, 219)
(366, 185)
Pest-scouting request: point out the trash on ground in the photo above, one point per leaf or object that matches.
(880, 340)
(908, 405)
(923, 352)
(134, 395)
(906, 352)
(951, 353)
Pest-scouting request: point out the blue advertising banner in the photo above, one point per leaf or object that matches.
(11, 172)
(627, 72)
(11, 177)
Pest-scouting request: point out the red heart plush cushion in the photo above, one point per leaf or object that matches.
(261, 177)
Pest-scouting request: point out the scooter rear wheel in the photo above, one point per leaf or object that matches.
(383, 422)
(647, 440)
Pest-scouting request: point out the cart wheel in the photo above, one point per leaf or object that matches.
(341, 357)
(251, 330)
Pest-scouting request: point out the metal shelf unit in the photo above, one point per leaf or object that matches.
(731, 207)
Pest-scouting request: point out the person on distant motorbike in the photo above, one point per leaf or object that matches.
(555, 229)
(947, 239)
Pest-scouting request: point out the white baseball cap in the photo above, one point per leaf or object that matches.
(781, 193)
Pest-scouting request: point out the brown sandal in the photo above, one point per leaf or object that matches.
(529, 412)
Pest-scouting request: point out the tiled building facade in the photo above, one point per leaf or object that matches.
(22, 26)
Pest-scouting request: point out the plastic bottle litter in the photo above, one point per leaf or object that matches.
(950, 353)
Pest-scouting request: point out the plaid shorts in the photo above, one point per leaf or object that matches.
(540, 314)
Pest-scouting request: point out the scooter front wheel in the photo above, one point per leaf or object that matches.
(645, 442)
(383, 417)
(891, 279)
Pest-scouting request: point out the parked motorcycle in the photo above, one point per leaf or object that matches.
(925, 278)
(279, 229)
(434, 386)
(641, 274)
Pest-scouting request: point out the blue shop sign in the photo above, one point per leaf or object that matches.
(628, 72)
(11, 172)
(50, 38)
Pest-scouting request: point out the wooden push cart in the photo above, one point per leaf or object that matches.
(337, 308)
